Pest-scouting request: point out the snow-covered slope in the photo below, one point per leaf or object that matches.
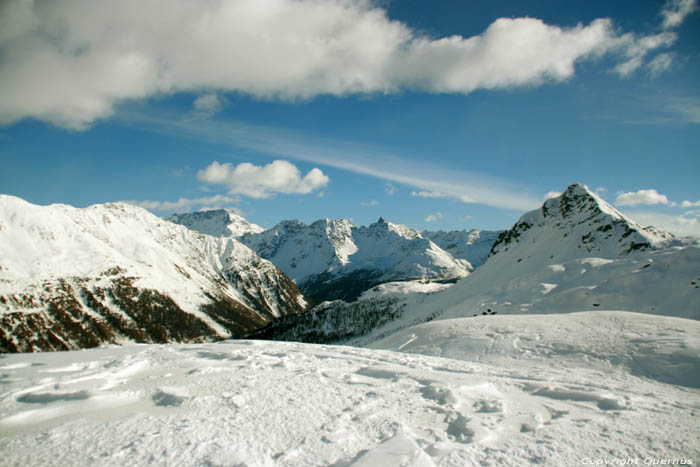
(332, 259)
(473, 245)
(72, 278)
(216, 222)
(576, 253)
(619, 386)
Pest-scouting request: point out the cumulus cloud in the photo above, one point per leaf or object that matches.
(641, 197)
(263, 181)
(434, 217)
(390, 189)
(374, 202)
(208, 105)
(70, 62)
(675, 11)
(690, 204)
(185, 204)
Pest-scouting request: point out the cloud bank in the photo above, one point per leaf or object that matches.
(69, 62)
(263, 181)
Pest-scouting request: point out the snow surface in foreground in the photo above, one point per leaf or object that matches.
(517, 389)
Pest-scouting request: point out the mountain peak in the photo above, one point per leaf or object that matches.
(216, 222)
(578, 222)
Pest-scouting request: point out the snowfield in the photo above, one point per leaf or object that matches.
(492, 390)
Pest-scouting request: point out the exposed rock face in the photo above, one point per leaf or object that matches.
(75, 278)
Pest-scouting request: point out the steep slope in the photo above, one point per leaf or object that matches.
(74, 278)
(472, 245)
(332, 259)
(216, 222)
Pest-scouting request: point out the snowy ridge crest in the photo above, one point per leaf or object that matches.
(216, 222)
(333, 259)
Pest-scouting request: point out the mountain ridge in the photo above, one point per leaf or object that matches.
(80, 277)
(333, 259)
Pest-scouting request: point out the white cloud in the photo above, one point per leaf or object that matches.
(185, 204)
(364, 159)
(434, 217)
(429, 194)
(675, 11)
(635, 49)
(690, 204)
(552, 194)
(208, 105)
(374, 202)
(263, 181)
(70, 62)
(641, 197)
(687, 107)
(660, 64)
(677, 225)
(390, 189)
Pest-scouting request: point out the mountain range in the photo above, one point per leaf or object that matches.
(575, 253)
(114, 273)
(335, 260)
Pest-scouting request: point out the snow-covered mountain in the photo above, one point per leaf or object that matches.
(333, 259)
(74, 278)
(577, 224)
(575, 253)
(216, 222)
(473, 245)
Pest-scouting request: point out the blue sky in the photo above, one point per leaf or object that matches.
(439, 115)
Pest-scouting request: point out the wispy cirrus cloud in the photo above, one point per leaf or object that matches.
(372, 161)
(71, 62)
